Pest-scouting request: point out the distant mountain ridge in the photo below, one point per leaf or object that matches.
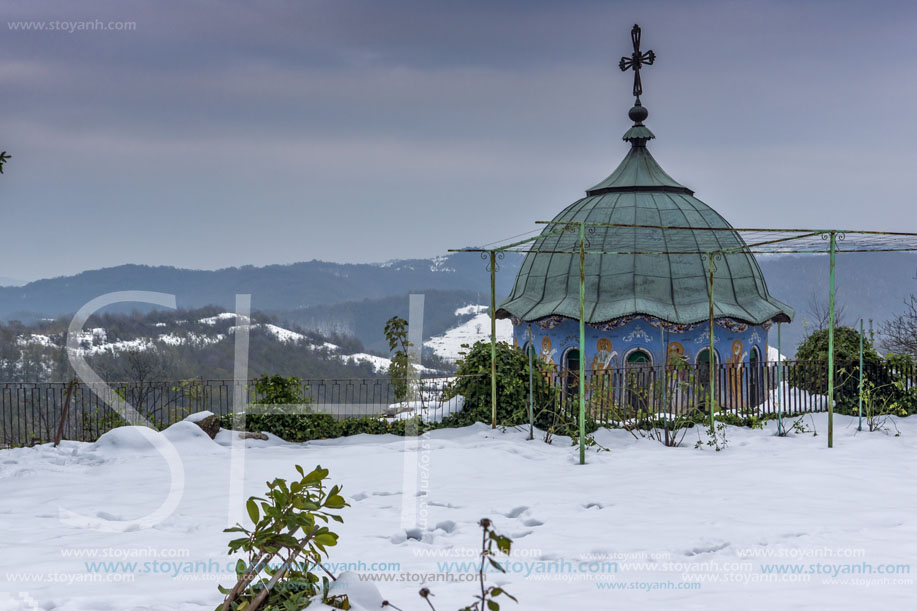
(356, 299)
(273, 287)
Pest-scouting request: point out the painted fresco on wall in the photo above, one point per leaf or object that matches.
(608, 344)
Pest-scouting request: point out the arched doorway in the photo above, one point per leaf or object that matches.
(755, 378)
(638, 380)
(571, 366)
(703, 374)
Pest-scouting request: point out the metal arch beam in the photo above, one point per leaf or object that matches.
(832, 249)
(582, 344)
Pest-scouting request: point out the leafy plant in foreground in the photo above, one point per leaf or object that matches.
(285, 546)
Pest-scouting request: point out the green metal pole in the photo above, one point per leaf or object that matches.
(832, 237)
(860, 405)
(779, 384)
(582, 344)
(710, 356)
(531, 390)
(493, 339)
(665, 378)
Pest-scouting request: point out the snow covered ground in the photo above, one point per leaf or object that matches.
(641, 526)
(449, 344)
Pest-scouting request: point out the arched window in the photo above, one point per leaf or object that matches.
(638, 358)
(754, 357)
(703, 357)
(572, 361)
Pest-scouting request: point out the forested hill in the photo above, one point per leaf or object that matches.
(274, 287)
(869, 286)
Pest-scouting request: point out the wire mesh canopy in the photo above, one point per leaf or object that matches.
(639, 251)
(639, 269)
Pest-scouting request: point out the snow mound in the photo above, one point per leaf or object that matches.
(225, 438)
(185, 432)
(133, 439)
(141, 439)
(198, 416)
(363, 595)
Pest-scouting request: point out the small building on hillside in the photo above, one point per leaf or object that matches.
(640, 308)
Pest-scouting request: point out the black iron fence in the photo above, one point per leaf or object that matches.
(34, 412)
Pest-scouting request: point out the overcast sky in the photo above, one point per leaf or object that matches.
(217, 134)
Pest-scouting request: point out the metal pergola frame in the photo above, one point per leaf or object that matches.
(760, 241)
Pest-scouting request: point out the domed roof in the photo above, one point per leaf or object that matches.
(672, 287)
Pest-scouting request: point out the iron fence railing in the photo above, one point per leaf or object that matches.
(32, 412)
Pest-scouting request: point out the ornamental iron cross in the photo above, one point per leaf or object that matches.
(636, 61)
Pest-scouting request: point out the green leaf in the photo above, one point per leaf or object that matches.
(317, 475)
(503, 543)
(252, 510)
(327, 539)
(492, 605)
(335, 502)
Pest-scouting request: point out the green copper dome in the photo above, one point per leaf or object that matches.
(672, 287)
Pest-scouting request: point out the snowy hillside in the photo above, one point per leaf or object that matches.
(769, 523)
(449, 345)
(38, 350)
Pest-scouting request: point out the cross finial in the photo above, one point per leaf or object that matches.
(636, 61)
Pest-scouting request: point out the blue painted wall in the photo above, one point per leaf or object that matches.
(610, 345)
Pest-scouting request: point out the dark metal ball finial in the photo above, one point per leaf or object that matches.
(638, 113)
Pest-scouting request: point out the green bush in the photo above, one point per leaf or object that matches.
(306, 427)
(473, 382)
(811, 370)
(278, 390)
(846, 347)
(882, 375)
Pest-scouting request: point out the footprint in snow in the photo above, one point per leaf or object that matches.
(593, 506)
(446, 505)
(445, 526)
(359, 496)
(385, 493)
(533, 522)
(706, 549)
(400, 537)
(516, 511)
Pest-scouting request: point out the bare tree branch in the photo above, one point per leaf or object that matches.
(900, 333)
(821, 313)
